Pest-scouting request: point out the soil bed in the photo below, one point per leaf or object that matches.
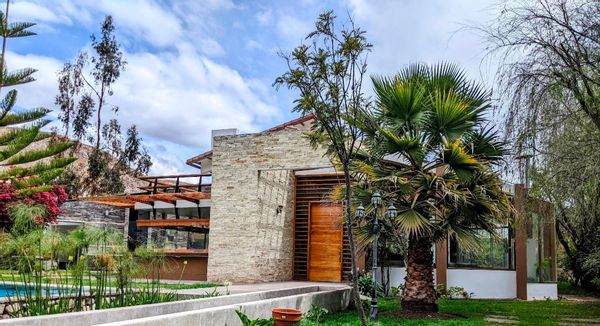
(422, 315)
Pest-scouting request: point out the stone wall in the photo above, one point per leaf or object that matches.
(79, 212)
(252, 213)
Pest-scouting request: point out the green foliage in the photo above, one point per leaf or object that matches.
(427, 150)
(253, 322)
(84, 87)
(453, 292)
(428, 118)
(211, 294)
(25, 127)
(365, 285)
(315, 314)
(98, 266)
(328, 72)
(24, 217)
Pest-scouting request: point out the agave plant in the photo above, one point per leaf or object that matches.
(428, 152)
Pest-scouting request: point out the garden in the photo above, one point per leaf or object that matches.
(423, 161)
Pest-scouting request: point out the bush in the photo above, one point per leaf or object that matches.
(315, 314)
(454, 292)
(365, 284)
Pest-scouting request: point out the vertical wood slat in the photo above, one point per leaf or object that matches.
(313, 188)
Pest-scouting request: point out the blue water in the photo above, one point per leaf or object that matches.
(10, 291)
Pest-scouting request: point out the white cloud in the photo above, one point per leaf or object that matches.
(404, 32)
(265, 17)
(175, 99)
(292, 29)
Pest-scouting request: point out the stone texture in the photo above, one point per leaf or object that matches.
(93, 214)
(252, 217)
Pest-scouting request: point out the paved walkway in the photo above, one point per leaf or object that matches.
(257, 287)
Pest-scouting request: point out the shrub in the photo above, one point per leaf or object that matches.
(315, 314)
(253, 322)
(365, 284)
(453, 292)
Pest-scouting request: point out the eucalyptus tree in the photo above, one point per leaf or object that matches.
(428, 151)
(84, 89)
(328, 73)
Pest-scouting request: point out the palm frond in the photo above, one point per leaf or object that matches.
(413, 223)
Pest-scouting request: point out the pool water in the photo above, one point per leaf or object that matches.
(10, 291)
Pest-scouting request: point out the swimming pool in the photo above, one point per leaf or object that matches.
(7, 290)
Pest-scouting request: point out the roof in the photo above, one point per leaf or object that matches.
(195, 161)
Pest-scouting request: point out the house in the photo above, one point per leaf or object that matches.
(260, 210)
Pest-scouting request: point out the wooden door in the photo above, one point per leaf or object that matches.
(325, 242)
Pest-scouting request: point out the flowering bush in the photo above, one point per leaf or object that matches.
(51, 200)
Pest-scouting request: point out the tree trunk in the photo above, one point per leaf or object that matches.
(419, 292)
(349, 235)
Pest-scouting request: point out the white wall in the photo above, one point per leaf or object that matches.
(484, 284)
(397, 275)
(542, 291)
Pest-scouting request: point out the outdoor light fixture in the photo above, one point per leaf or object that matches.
(392, 212)
(360, 211)
(376, 199)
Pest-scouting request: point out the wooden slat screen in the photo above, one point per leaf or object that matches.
(313, 188)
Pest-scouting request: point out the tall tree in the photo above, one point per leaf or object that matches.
(428, 152)
(549, 80)
(550, 51)
(328, 73)
(107, 63)
(84, 87)
(29, 158)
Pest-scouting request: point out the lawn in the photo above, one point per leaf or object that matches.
(473, 312)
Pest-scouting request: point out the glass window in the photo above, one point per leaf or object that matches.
(492, 253)
(539, 251)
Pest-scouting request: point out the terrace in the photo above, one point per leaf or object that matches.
(171, 212)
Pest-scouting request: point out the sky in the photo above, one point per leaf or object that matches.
(198, 65)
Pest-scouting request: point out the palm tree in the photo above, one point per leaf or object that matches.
(428, 152)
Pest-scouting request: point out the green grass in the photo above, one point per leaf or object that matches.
(473, 312)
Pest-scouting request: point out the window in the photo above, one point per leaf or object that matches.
(540, 250)
(493, 253)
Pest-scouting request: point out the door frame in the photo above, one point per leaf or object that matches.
(308, 245)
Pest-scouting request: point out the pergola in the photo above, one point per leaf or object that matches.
(167, 189)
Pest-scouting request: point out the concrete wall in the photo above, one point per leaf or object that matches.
(397, 275)
(333, 300)
(483, 283)
(251, 231)
(542, 291)
(206, 311)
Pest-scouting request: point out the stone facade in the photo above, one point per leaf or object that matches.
(92, 214)
(252, 213)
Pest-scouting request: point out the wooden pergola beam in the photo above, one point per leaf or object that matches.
(169, 222)
(130, 200)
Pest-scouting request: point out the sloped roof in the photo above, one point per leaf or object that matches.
(195, 161)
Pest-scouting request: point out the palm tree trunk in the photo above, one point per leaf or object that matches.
(419, 292)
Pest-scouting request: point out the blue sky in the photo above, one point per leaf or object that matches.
(194, 66)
